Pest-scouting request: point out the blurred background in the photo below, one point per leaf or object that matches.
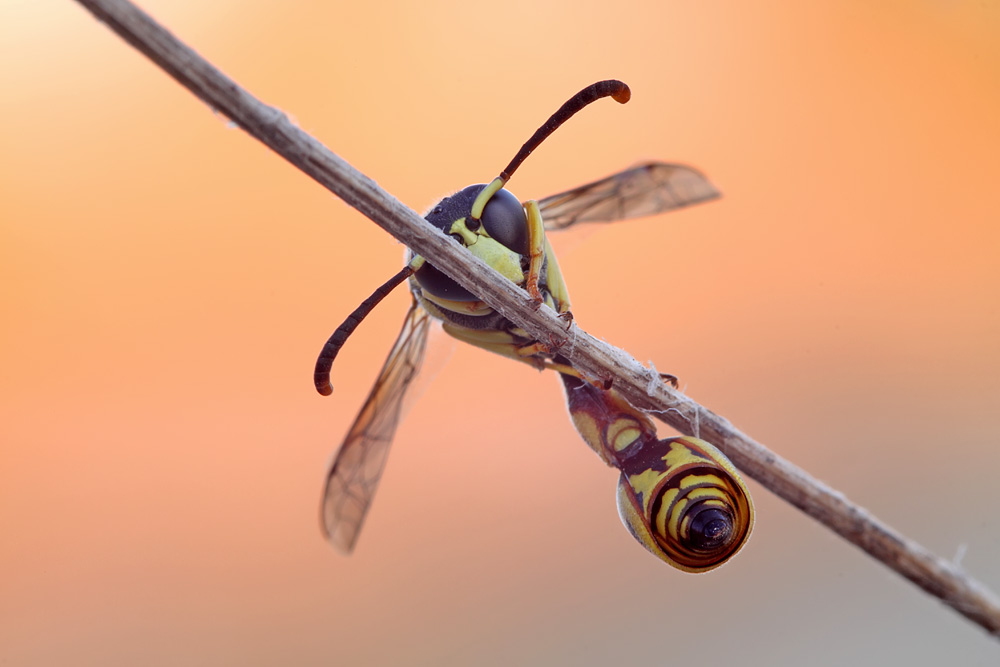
(166, 283)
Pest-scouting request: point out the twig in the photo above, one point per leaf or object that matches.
(639, 385)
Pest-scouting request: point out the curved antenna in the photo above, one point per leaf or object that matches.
(610, 88)
(321, 376)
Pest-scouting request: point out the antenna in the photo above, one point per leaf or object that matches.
(610, 88)
(595, 91)
(321, 377)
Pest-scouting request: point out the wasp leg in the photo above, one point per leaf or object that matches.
(525, 351)
(667, 377)
(538, 247)
(533, 350)
(556, 286)
(540, 349)
(498, 342)
(534, 354)
(555, 283)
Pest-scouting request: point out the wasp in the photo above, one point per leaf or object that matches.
(510, 236)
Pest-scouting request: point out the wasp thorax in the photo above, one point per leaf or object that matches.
(503, 226)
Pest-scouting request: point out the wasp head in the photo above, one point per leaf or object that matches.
(499, 237)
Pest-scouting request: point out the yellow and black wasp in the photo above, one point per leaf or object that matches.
(680, 498)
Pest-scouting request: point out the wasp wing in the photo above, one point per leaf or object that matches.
(644, 190)
(354, 475)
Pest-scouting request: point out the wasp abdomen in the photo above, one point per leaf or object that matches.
(680, 498)
(685, 502)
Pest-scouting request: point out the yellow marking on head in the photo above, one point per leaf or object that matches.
(500, 257)
(459, 227)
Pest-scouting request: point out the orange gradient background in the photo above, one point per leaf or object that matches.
(167, 283)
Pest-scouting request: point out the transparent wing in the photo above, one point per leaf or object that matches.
(354, 475)
(647, 189)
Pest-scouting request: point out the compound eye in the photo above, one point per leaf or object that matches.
(505, 221)
(435, 282)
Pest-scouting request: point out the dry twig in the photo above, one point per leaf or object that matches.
(640, 385)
